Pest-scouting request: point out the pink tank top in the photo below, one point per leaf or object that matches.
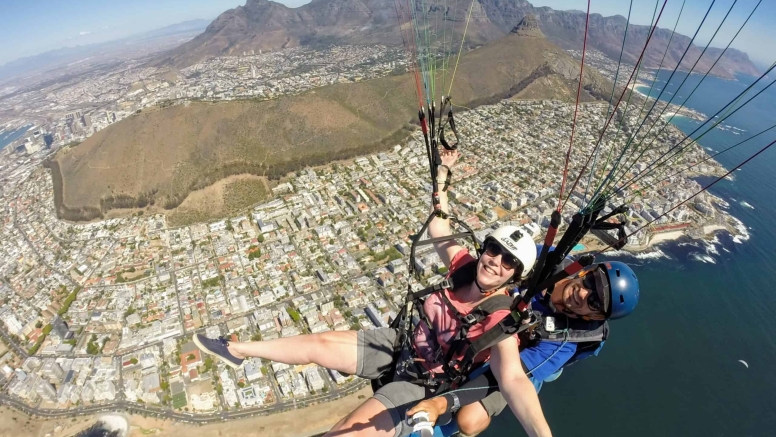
(445, 324)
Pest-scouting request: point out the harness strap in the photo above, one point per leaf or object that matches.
(461, 343)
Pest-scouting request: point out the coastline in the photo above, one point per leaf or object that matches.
(318, 419)
(674, 110)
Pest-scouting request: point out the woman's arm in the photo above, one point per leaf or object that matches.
(517, 389)
(440, 227)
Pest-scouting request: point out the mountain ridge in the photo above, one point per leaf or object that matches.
(267, 25)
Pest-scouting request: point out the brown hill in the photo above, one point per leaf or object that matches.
(264, 25)
(160, 156)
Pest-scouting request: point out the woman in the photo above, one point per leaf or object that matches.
(508, 257)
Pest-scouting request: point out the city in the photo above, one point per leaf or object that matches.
(100, 315)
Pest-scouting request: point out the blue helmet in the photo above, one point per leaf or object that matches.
(624, 287)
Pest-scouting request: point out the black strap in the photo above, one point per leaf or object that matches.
(448, 178)
(451, 123)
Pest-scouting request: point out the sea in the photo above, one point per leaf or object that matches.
(697, 357)
(8, 137)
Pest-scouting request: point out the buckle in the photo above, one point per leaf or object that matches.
(446, 284)
(470, 319)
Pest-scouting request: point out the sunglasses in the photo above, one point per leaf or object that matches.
(508, 261)
(593, 299)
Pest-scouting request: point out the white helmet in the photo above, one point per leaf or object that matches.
(519, 244)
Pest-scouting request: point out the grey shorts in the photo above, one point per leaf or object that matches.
(375, 355)
(494, 403)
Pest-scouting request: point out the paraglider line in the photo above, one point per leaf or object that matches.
(576, 109)
(460, 49)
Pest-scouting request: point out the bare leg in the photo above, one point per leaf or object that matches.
(472, 419)
(370, 419)
(333, 350)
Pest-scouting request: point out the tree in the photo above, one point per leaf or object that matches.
(294, 315)
(133, 360)
(240, 384)
(190, 357)
(256, 337)
(164, 385)
(38, 324)
(261, 238)
(208, 364)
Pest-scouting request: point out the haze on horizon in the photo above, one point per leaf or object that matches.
(38, 26)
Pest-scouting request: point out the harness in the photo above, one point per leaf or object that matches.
(458, 361)
(588, 335)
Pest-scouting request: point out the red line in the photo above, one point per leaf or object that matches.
(576, 107)
(614, 110)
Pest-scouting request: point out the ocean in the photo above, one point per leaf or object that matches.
(672, 368)
(8, 137)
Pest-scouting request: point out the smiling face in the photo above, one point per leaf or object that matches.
(571, 297)
(490, 271)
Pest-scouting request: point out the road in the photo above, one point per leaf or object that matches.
(201, 419)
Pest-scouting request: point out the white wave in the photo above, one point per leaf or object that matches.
(711, 249)
(744, 203)
(703, 258)
(653, 253)
(742, 233)
(726, 249)
(689, 243)
(114, 422)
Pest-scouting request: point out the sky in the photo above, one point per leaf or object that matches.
(29, 27)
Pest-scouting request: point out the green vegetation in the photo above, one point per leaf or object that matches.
(256, 337)
(190, 357)
(294, 314)
(213, 282)
(129, 312)
(392, 254)
(208, 364)
(254, 252)
(133, 360)
(92, 348)
(164, 385)
(68, 301)
(179, 401)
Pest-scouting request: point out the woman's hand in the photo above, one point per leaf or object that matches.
(434, 407)
(449, 157)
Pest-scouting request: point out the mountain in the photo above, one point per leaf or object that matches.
(161, 155)
(265, 25)
(106, 50)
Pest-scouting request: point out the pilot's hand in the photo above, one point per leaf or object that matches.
(434, 407)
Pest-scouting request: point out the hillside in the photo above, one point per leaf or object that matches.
(265, 25)
(160, 156)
